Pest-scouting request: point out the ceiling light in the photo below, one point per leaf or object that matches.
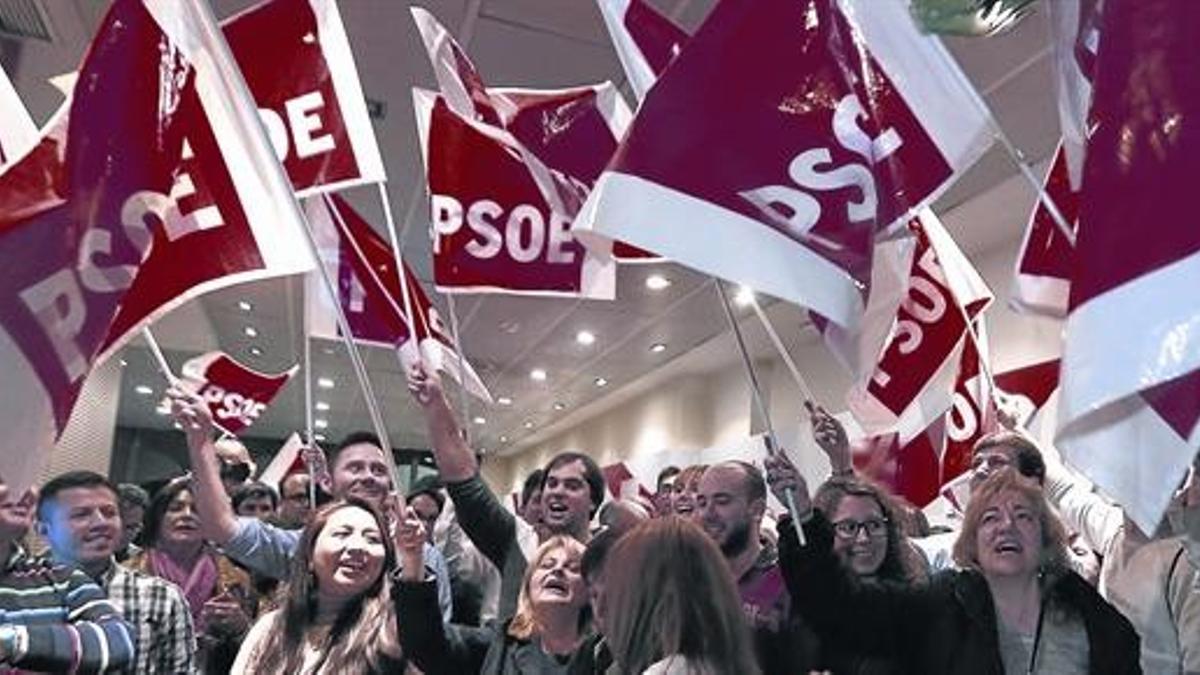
(658, 347)
(143, 390)
(744, 297)
(245, 306)
(560, 406)
(319, 437)
(250, 331)
(329, 351)
(324, 383)
(585, 337)
(504, 439)
(320, 424)
(538, 375)
(255, 350)
(322, 406)
(504, 400)
(528, 424)
(601, 382)
(479, 420)
(163, 408)
(124, 363)
(657, 282)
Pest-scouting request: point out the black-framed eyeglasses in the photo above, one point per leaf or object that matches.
(849, 529)
(236, 472)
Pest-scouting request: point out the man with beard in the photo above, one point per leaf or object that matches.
(79, 516)
(357, 469)
(731, 501)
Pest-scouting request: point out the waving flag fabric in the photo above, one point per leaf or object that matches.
(18, 134)
(1043, 275)
(236, 395)
(646, 41)
(791, 133)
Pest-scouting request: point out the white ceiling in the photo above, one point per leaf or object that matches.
(536, 43)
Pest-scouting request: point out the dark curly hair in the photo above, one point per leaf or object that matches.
(901, 563)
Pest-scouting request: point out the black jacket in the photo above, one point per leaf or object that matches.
(945, 628)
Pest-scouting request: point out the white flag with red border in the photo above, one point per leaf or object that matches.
(102, 211)
(18, 133)
(822, 123)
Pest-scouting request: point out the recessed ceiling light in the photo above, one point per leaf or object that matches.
(601, 382)
(560, 406)
(329, 351)
(163, 408)
(320, 424)
(143, 390)
(250, 331)
(319, 437)
(255, 350)
(479, 420)
(528, 424)
(657, 282)
(744, 296)
(658, 347)
(585, 337)
(504, 439)
(322, 406)
(124, 363)
(537, 374)
(504, 400)
(324, 383)
(245, 306)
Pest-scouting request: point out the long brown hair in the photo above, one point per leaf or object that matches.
(673, 595)
(900, 562)
(363, 637)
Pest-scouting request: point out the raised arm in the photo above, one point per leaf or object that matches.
(217, 518)
(831, 438)
(455, 460)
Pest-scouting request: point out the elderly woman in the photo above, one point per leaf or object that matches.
(1013, 607)
(550, 623)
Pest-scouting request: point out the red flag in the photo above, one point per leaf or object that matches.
(371, 295)
(908, 468)
(236, 395)
(790, 132)
(913, 377)
(1133, 315)
(1043, 277)
(99, 214)
(972, 414)
(646, 41)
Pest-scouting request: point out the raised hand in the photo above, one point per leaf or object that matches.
(783, 477)
(831, 438)
(192, 414)
(423, 383)
(409, 536)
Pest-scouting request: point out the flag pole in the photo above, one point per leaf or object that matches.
(394, 236)
(805, 390)
(159, 358)
(756, 393)
(308, 414)
(223, 58)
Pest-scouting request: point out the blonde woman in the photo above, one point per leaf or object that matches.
(338, 616)
(550, 622)
(671, 606)
(1013, 607)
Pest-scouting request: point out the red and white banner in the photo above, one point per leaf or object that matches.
(287, 461)
(127, 189)
(1075, 41)
(912, 382)
(645, 41)
(564, 137)
(18, 133)
(373, 296)
(1043, 275)
(973, 413)
(908, 467)
(1130, 396)
(492, 229)
(822, 123)
(236, 395)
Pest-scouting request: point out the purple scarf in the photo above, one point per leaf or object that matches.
(198, 584)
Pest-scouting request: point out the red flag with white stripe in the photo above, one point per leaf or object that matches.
(1043, 275)
(912, 382)
(101, 214)
(821, 123)
(1130, 394)
(236, 395)
(373, 296)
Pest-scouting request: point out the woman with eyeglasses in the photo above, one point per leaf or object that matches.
(871, 549)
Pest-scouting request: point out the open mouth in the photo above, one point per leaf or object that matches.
(555, 511)
(187, 526)
(352, 567)
(1008, 548)
(556, 587)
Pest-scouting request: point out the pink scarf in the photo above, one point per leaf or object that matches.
(198, 584)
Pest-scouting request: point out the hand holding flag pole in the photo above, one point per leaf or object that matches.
(173, 382)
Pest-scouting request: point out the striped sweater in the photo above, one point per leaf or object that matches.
(72, 627)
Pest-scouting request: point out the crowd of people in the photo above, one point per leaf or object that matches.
(335, 573)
